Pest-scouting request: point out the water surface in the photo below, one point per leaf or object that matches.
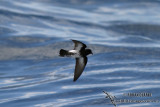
(124, 37)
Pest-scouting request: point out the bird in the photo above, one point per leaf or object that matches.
(80, 54)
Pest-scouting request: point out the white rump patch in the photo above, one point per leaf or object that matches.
(76, 53)
(73, 51)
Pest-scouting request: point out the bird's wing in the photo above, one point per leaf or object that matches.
(78, 45)
(79, 67)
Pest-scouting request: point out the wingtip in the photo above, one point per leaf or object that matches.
(72, 39)
(75, 40)
(74, 80)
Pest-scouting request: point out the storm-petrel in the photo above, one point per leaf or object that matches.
(80, 54)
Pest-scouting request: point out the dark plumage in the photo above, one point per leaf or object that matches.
(80, 54)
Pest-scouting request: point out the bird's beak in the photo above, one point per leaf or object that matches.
(92, 53)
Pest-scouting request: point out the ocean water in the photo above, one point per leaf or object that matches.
(123, 34)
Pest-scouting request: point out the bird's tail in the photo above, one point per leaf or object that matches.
(63, 52)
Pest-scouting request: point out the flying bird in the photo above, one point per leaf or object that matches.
(80, 54)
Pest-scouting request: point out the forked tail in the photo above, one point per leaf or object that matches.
(63, 52)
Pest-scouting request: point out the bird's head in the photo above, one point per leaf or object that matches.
(88, 51)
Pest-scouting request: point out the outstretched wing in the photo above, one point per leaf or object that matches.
(78, 45)
(79, 67)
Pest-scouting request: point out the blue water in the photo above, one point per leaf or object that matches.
(123, 34)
